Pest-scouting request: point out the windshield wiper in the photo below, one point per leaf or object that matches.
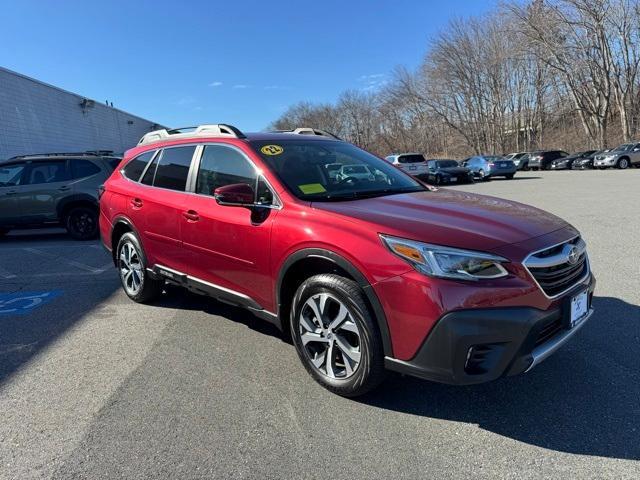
(372, 193)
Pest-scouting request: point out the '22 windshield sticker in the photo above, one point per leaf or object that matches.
(20, 303)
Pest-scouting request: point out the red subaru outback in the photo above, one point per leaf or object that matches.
(366, 268)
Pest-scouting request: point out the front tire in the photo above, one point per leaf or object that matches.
(132, 266)
(623, 164)
(82, 223)
(335, 335)
(510, 176)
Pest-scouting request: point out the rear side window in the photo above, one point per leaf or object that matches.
(222, 166)
(410, 159)
(113, 162)
(135, 167)
(47, 172)
(83, 168)
(173, 168)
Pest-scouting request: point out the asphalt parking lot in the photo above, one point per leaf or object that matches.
(95, 386)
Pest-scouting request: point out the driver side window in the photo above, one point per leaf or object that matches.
(220, 166)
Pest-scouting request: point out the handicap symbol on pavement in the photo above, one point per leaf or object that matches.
(20, 303)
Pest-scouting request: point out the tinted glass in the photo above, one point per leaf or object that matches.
(265, 195)
(148, 176)
(447, 163)
(410, 159)
(83, 168)
(113, 162)
(135, 167)
(302, 166)
(47, 172)
(173, 168)
(10, 175)
(222, 166)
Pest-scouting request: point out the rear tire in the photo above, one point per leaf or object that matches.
(132, 266)
(341, 350)
(82, 223)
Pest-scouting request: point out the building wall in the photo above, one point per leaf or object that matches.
(39, 118)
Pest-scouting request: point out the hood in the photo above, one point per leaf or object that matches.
(454, 170)
(449, 217)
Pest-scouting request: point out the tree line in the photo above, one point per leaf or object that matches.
(528, 75)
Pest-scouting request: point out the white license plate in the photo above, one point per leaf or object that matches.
(412, 168)
(579, 307)
(454, 179)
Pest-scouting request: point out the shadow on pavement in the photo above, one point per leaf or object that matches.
(585, 399)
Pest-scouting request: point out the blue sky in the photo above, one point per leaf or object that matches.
(186, 63)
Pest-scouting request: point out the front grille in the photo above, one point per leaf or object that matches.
(553, 270)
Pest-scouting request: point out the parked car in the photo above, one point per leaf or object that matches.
(523, 162)
(358, 172)
(365, 276)
(54, 189)
(485, 167)
(413, 163)
(447, 171)
(541, 159)
(516, 158)
(586, 162)
(566, 163)
(623, 156)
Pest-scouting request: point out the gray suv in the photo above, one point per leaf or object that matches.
(622, 157)
(54, 189)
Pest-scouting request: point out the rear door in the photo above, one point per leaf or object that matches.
(157, 204)
(45, 183)
(10, 181)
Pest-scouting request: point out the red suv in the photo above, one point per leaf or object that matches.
(365, 272)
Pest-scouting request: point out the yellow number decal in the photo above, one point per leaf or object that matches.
(272, 150)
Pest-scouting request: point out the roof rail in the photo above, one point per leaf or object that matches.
(213, 130)
(309, 131)
(95, 153)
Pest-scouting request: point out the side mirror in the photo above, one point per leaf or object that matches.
(235, 195)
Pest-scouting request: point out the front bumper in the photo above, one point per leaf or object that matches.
(480, 345)
(605, 162)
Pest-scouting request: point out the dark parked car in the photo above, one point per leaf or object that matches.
(486, 167)
(447, 171)
(541, 160)
(54, 189)
(565, 163)
(585, 163)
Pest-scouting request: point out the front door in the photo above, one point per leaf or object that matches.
(10, 180)
(45, 183)
(230, 246)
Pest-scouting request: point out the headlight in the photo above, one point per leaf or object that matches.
(445, 262)
(609, 157)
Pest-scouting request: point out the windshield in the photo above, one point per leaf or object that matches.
(625, 147)
(307, 169)
(446, 163)
(492, 158)
(413, 158)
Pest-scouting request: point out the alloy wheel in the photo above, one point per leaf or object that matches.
(131, 269)
(330, 336)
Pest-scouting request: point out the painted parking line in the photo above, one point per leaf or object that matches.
(20, 303)
(6, 274)
(72, 263)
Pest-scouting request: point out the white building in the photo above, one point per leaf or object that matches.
(39, 118)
